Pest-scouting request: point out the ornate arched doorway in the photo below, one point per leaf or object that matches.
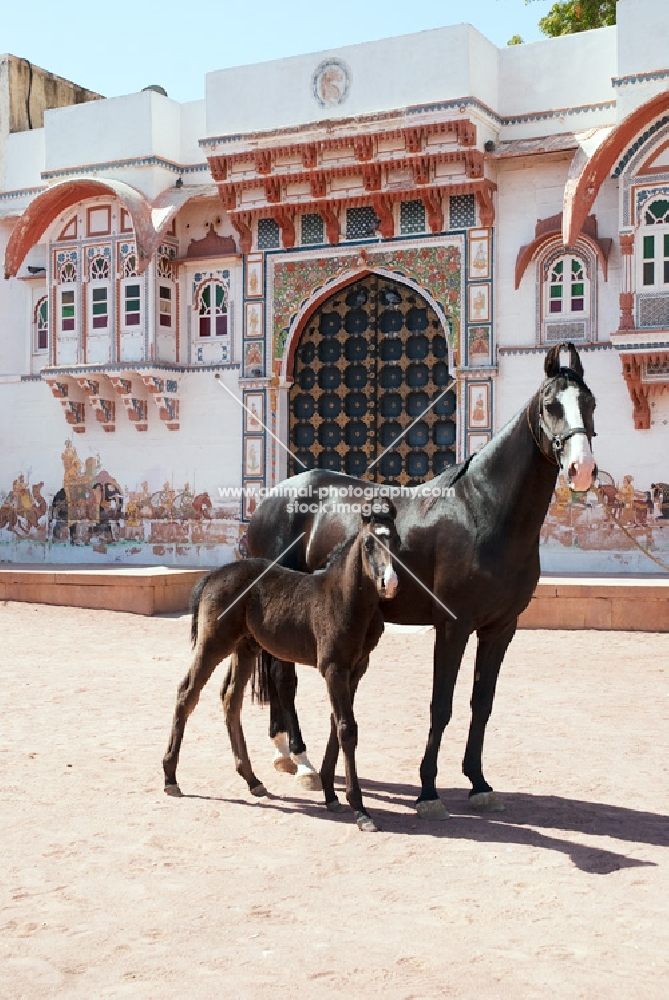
(369, 362)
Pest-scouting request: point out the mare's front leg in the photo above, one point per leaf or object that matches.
(338, 680)
(232, 696)
(207, 657)
(449, 645)
(284, 682)
(332, 749)
(489, 655)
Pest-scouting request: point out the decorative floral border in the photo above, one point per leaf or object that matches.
(437, 269)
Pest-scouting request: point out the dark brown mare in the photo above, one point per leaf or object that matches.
(474, 549)
(330, 620)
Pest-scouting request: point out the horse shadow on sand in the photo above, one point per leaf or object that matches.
(517, 825)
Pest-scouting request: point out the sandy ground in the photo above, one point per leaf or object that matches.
(109, 888)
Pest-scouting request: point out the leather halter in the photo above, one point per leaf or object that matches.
(557, 441)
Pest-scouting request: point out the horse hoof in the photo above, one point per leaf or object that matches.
(258, 790)
(309, 781)
(431, 809)
(488, 802)
(366, 823)
(173, 790)
(285, 765)
(335, 806)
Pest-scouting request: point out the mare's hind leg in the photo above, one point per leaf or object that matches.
(232, 696)
(284, 678)
(207, 658)
(489, 655)
(332, 748)
(338, 680)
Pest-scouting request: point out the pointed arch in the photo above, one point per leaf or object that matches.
(588, 172)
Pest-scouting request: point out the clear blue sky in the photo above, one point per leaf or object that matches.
(118, 48)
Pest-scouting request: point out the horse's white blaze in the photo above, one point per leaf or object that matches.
(577, 454)
(390, 581)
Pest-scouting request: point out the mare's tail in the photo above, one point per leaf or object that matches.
(195, 598)
(261, 682)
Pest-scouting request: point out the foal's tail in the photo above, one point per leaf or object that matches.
(261, 681)
(195, 598)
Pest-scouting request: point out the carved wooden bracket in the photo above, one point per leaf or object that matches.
(273, 190)
(137, 409)
(309, 156)
(435, 213)
(372, 177)
(242, 223)
(286, 222)
(386, 220)
(363, 147)
(263, 161)
(413, 139)
(626, 311)
(74, 410)
(331, 224)
(164, 393)
(421, 170)
(486, 207)
(646, 374)
(317, 185)
(228, 197)
(104, 409)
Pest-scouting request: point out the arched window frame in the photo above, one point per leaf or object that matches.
(206, 294)
(99, 291)
(165, 292)
(653, 244)
(576, 292)
(68, 304)
(41, 339)
(132, 299)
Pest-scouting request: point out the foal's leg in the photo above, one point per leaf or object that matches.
(232, 696)
(338, 680)
(449, 646)
(285, 682)
(278, 727)
(332, 748)
(207, 658)
(489, 656)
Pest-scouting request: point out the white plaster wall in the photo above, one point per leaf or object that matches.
(118, 128)
(15, 318)
(193, 128)
(643, 36)
(527, 191)
(24, 160)
(557, 73)
(428, 66)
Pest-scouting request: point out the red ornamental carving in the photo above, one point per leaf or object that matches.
(263, 161)
(363, 147)
(286, 223)
(219, 167)
(228, 197)
(626, 311)
(372, 177)
(309, 156)
(638, 392)
(242, 225)
(273, 190)
(386, 220)
(626, 244)
(435, 214)
(421, 170)
(331, 224)
(413, 138)
(317, 185)
(486, 207)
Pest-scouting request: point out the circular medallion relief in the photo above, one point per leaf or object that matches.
(331, 82)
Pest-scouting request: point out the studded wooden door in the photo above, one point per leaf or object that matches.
(370, 361)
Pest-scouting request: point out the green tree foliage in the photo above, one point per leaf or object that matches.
(515, 40)
(569, 16)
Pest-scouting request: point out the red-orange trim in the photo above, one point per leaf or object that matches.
(582, 189)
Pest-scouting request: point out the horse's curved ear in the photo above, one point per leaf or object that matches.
(552, 362)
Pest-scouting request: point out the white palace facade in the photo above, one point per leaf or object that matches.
(332, 240)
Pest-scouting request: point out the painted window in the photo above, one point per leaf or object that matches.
(312, 229)
(165, 305)
(68, 315)
(655, 245)
(566, 287)
(213, 309)
(100, 307)
(132, 300)
(99, 286)
(361, 223)
(42, 325)
(462, 211)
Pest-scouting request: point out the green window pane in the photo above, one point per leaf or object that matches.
(559, 267)
(556, 291)
(43, 312)
(666, 244)
(220, 298)
(576, 267)
(68, 311)
(206, 299)
(132, 305)
(659, 209)
(577, 288)
(99, 308)
(649, 247)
